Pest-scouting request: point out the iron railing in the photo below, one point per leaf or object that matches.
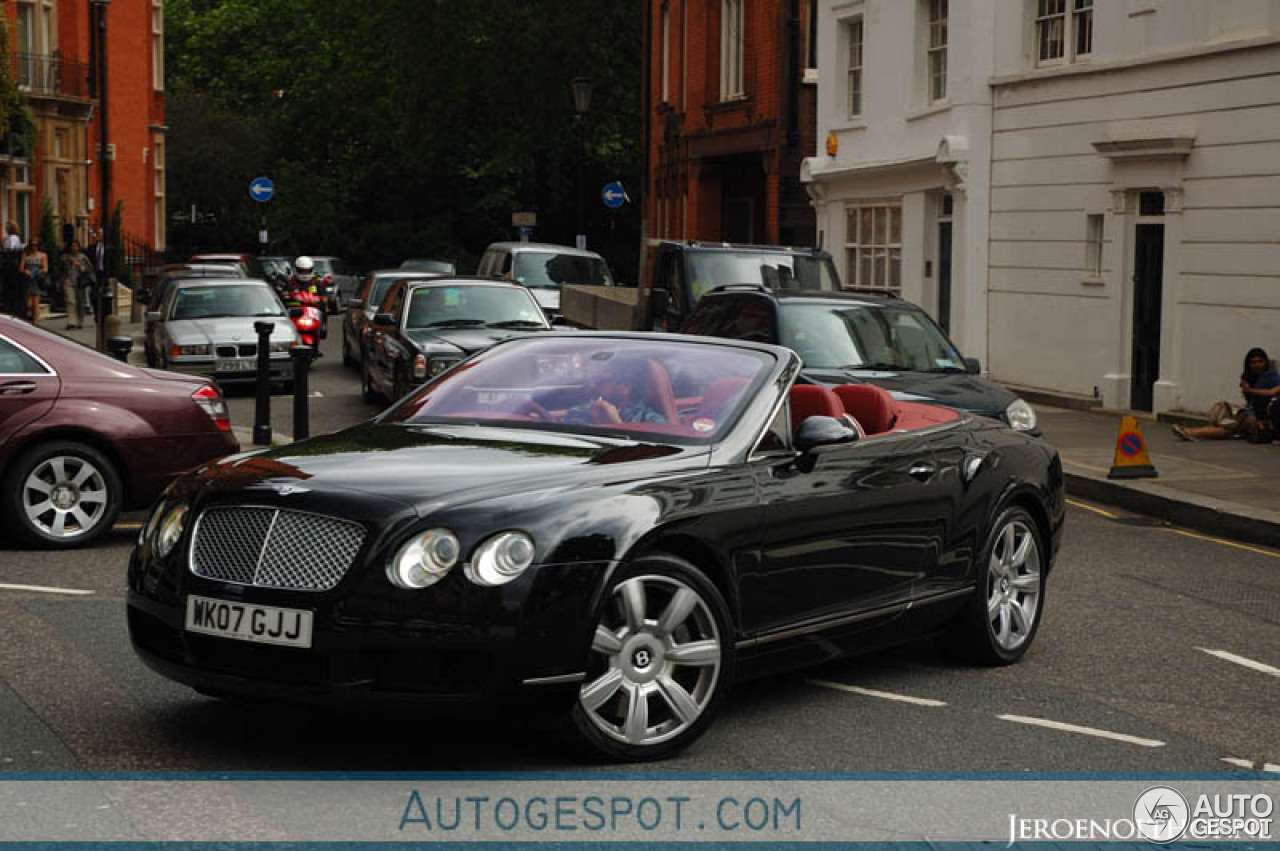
(50, 74)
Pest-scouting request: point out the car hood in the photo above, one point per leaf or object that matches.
(433, 466)
(227, 329)
(465, 340)
(971, 393)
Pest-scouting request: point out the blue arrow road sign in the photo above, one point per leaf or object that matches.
(613, 195)
(261, 189)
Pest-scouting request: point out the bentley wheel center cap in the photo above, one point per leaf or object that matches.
(642, 659)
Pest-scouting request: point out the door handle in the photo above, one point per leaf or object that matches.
(922, 471)
(17, 388)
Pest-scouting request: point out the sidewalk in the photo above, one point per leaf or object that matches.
(1221, 487)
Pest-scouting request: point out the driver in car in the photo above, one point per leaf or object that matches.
(614, 398)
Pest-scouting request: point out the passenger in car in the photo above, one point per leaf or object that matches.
(614, 397)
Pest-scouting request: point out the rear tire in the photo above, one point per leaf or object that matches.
(660, 663)
(1001, 619)
(62, 494)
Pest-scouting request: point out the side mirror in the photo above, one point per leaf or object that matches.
(659, 301)
(973, 365)
(295, 313)
(816, 432)
(384, 319)
(153, 316)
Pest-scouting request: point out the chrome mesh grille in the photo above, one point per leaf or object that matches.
(274, 548)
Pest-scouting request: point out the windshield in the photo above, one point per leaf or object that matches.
(329, 266)
(442, 266)
(546, 270)
(225, 300)
(639, 389)
(474, 304)
(710, 269)
(867, 337)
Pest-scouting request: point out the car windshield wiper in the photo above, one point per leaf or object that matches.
(516, 323)
(451, 323)
(875, 365)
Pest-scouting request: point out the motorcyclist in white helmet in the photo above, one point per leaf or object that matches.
(304, 276)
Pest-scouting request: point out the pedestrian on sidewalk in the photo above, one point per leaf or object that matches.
(13, 288)
(1260, 385)
(34, 265)
(77, 280)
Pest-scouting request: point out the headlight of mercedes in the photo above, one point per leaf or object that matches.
(170, 529)
(424, 559)
(1020, 415)
(500, 559)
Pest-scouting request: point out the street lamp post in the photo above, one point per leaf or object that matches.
(98, 44)
(581, 103)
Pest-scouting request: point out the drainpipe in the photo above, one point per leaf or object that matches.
(793, 78)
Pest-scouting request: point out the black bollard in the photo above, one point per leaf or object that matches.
(120, 348)
(302, 356)
(262, 406)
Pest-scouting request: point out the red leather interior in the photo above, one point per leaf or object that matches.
(871, 406)
(720, 393)
(914, 415)
(810, 400)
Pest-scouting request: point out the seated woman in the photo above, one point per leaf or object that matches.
(1259, 384)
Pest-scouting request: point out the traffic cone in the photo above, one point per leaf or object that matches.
(1131, 460)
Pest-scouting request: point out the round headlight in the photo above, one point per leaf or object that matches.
(170, 529)
(150, 526)
(501, 559)
(424, 559)
(1021, 416)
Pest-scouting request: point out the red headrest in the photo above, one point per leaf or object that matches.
(871, 406)
(810, 400)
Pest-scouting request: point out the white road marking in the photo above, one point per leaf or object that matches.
(74, 592)
(1087, 731)
(1239, 763)
(1251, 765)
(1240, 660)
(884, 695)
(316, 394)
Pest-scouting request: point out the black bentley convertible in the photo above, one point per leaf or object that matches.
(614, 525)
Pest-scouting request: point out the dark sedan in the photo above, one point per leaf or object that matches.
(361, 309)
(427, 326)
(615, 526)
(83, 435)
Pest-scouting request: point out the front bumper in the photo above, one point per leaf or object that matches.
(478, 646)
(281, 369)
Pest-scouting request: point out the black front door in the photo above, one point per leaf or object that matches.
(1148, 269)
(944, 276)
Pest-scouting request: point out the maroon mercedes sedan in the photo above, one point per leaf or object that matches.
(83, 436)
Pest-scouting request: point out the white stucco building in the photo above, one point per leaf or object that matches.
(1114, 174)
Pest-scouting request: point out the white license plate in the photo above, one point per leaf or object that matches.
(236, 364)
(248, 622)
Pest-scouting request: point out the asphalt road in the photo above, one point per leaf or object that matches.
(1158, 651)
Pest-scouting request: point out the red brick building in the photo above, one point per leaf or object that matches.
(55, 60)
(729, 114)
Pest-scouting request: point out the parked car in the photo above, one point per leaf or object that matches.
(361, 309)
(276, 270)
(338, 283)
(863, 338)
(426, 326)
(83, 435)
(544, 269)
(252, 266)
(205, 327)
(490, 539)
(422, 264)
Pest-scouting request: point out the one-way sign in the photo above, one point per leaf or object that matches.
(613, 195)
(261, 189)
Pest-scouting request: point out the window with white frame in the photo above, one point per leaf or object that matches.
(1093, 246)
(22, 194)
(26, 44)
(873, 246)
(1064, 30)
(157, 158)
(157, 45)
(666, 53)
(937, 50)
(853, 67)
(731, 49)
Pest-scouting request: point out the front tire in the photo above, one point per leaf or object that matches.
(1000, 621)
(660, 665)
(62, 494)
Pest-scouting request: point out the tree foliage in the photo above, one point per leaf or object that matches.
(397, 128)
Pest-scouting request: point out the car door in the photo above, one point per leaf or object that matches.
(383, 343)
(352, 316)
(963, 482)
(28, 388)
(848, 532)
(159, 331)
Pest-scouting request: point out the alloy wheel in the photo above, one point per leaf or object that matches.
(655, 663)
(64, 496)
(1013, 585)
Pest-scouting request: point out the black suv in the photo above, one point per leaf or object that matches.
(860, 338)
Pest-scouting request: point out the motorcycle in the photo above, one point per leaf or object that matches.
(307, 312)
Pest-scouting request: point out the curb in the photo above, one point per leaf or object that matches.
(1203, 514)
